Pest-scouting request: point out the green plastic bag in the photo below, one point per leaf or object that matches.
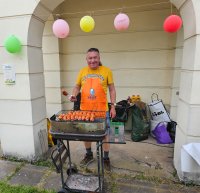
(140, 124)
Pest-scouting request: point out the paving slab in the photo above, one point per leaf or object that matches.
(7, 168)
(29, 175)
(53, 182)
(131, 185)
(146, 157)
(137, 189)
(177, 188)
(134, 182)
(141, 186)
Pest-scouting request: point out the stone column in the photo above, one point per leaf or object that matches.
(188, 114)
(23, 127)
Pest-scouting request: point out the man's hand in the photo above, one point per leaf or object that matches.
(75, 92)
(112, 112)
(72, 98)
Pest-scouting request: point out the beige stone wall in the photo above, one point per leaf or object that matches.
(23, 127)
(188, 111)
(144, 59)
(51, 59)
(176, 75)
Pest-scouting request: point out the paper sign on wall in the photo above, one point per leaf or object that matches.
(9, 73)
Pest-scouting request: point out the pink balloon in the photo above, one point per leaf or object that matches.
(172, 23)
(60, 28)
(121, 22)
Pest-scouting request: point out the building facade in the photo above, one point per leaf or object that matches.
(144, 60)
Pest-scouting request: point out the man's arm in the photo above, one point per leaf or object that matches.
(75, 92)
(112, 92)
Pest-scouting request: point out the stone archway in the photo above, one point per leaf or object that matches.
(189, 12)
(35, 33)
(189, 100)
(23, 111)
(188, 130)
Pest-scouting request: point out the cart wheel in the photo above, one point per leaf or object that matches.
(63, 191)
(73, 169)
(103, 190)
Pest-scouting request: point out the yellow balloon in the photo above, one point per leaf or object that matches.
(87, 23)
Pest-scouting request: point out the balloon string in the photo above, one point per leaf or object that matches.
(171, 8)
(122, 9)
(114, 9)
(57, 16)
(91, 13)
(122, 6)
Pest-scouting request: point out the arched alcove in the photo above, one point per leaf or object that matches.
(185, 55)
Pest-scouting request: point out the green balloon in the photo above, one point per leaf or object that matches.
(12, 44)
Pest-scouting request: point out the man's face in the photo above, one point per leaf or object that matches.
(93, 59)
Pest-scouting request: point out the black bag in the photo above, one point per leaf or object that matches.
(121, 111)
(140, 123)
(171, 128)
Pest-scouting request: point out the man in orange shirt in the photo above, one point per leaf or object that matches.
(93, 81)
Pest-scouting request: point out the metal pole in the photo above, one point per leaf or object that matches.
(98, 161)
(102, 165)
(61, 166)
(70, 162)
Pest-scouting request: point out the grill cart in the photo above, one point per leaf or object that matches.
(78, 126)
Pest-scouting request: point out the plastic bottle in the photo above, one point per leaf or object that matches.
(133, 99)
(138, 98)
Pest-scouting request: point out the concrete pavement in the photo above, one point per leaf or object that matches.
(136, 167)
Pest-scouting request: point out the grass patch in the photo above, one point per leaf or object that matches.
(7, 188)
(45, 163)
